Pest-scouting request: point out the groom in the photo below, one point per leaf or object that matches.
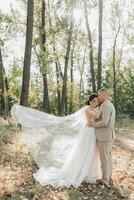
(105, 134)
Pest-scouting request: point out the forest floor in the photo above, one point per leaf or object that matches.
(17, 166)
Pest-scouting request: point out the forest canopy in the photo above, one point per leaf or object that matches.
(54, 54)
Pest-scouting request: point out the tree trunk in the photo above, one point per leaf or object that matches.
(46, 102)
(58, 86)
(100, 44)
(9, 100)
(2, 99)
(66, 66)
(57, 67)
(72, 79)
(58, 75)
(91, 50)
(81, 85)
(114, 69)
(27, 56)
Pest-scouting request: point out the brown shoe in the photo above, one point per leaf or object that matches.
(98, 181)
(111, 183)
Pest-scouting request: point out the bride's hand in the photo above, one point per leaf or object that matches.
(90, 114)
(90, 124)
(97, 114)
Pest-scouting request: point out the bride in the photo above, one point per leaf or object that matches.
(64, 148)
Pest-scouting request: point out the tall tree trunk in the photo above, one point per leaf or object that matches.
(72, 79)
(58, 75)
(46, 102)
(81, 85)
(60, 71)
(58, 87)
(27, 56)
(91, 50)
(9, 100)
(2, 99)
(114, 69)
(58, 83)
(64, 98)
(57, 67)
(100, 44)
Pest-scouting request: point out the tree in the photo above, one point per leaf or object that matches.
(2, 89)
(27, 56)
(100, 44)
(90, 49)
(72, 79)
(114, 58)
(64, 88)
(81, 84)
(46, 102)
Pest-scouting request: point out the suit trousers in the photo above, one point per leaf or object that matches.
(105, 151)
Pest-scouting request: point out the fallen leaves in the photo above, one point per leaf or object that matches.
(16, 168)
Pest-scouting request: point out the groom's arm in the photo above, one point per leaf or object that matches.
(106, 114)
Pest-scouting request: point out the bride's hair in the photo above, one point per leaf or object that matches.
(91, 97)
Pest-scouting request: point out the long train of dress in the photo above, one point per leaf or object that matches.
(63, 147)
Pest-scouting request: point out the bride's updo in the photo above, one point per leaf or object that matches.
(91, 98)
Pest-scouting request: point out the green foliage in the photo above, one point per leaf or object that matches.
(56, 28)
(15, 78)
(124, 87)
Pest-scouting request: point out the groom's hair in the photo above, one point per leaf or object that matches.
(92, 96)
(105, 90)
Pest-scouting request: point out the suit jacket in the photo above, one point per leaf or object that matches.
(105, 125)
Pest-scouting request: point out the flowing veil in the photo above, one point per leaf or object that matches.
(49, 138)
(63, 147)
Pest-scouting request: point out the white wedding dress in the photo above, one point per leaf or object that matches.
(63, 147)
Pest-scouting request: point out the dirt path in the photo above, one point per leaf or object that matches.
(17, 166)
(123, 154)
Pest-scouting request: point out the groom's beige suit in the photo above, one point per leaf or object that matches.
(105, 134)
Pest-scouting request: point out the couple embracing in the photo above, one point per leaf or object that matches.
(72, 149)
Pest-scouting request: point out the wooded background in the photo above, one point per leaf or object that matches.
(69, 49)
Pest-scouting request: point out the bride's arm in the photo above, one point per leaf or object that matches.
(90, 114)
(97, 114)
(93, 114)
